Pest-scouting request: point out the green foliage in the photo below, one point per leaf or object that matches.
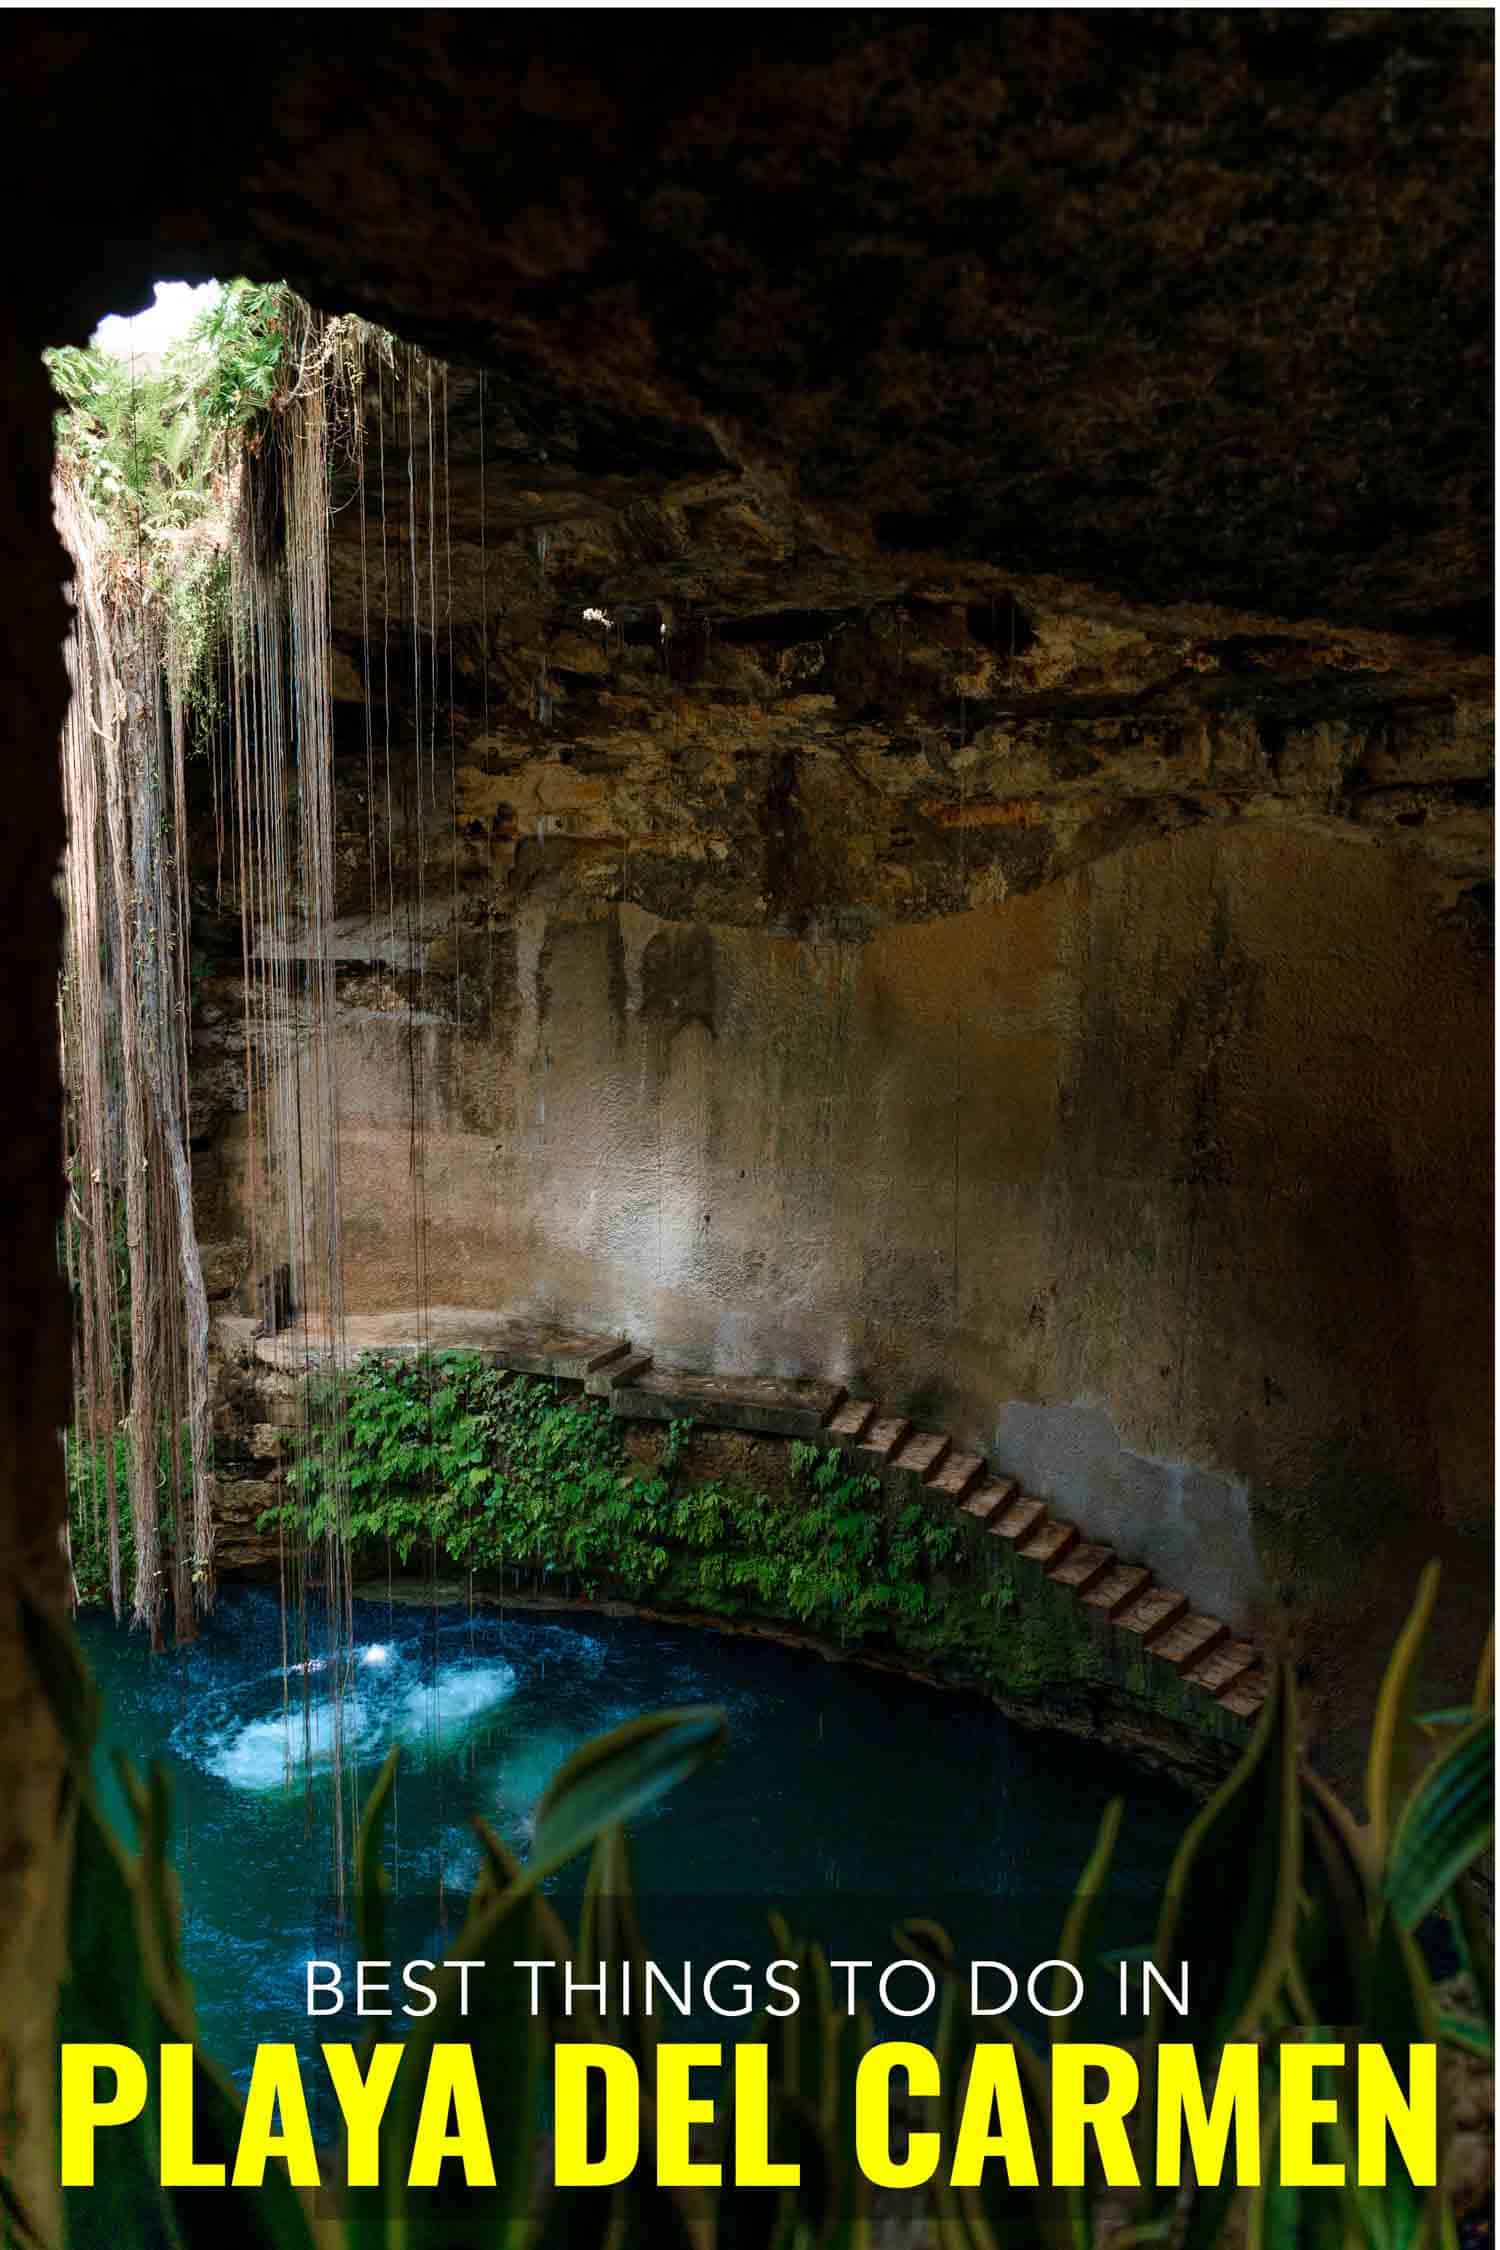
(88, 1517)
(1369, 1888)
(502, 1472)
(151, 448)
(238, 368)
(144, 440)
(124, 1981)
(1435, 1839)
(1298, 1922)
(1248, 1837)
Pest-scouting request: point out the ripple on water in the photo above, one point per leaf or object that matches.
(394, 1692)
(272, 1752)
(278, 1748)
(453, 1698)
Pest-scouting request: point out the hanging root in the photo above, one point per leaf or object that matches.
(130, 1247)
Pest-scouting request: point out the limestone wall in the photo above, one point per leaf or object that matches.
(1163, 1184)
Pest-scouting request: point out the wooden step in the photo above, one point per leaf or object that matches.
(989, 1499)
(1188, 1639)
(882, 1438)
(850, 1423)
(1082, 1566)
(1151, 1612)
(958, 1476)
(1247, 1695)
(624, 1369)
(1049, 1543)
(1119, 1586)
(1222, 1666)
(1019, 1520)
(923, 1452)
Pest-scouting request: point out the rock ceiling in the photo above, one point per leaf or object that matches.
(993, 438)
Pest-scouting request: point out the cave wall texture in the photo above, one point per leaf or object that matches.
(1155, 1183)
(1059, 449)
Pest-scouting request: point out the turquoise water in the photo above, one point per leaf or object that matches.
(848, 1798)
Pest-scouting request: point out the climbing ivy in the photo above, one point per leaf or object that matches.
(505, 1473)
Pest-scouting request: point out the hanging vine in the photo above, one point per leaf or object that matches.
(192, 495)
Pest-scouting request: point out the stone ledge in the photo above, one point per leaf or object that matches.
(780, 1406)
(523, 1347)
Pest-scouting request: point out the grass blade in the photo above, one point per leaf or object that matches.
(616, 1776)
(1447, 1824)
(1231, 1897)
(1394, 1739)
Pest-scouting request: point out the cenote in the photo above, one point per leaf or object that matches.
(749, 871)
(848, 1799)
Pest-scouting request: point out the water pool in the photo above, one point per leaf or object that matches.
(848, 1799)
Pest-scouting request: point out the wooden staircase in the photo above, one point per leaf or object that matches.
(1124, 1596)
(1199, 1649)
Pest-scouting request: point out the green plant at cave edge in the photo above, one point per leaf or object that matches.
(1296, 1917)
(152, 448)
(497, 1472)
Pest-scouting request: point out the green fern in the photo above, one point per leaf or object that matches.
(510, 1475)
